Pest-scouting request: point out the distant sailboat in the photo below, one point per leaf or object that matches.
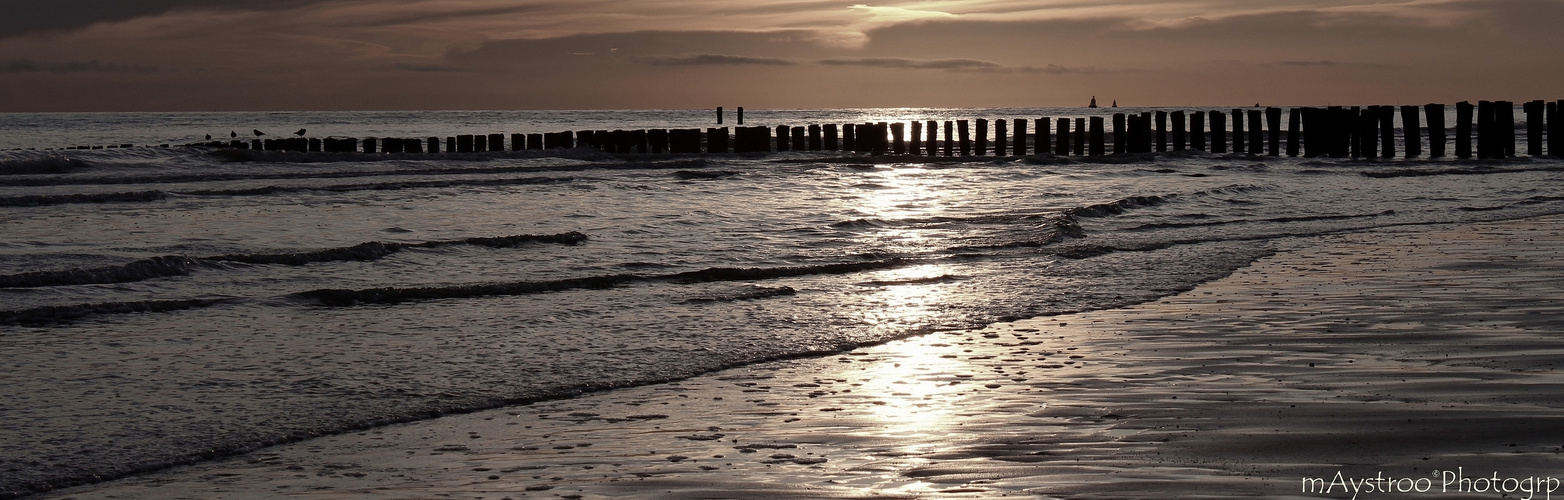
(1094, 102)
(1115, 103)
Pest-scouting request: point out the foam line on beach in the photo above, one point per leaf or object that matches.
(175, 265)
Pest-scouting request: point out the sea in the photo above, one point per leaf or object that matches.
(168, 305)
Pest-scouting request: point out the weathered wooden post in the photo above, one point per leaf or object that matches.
(518, 142)
(800, 138)
(1238, 132)
(933, 143)
(1218, 132)
(740, 117)
(1505, 119)
(1096, 137)
(982, 137)
(639, 136)
(784, 137)
(1256, 132)
(882, 140)
(1041, 135)
(1555, 130)
(831, 142)
(816, 143)
(480, 143)
(898, 141)
(1080, 137)
(497, 142)
(1001, 146)
(916, 146)
(1387, 132)
(719, 115)
(414, 146)
(1120, 134)
(1534, 126)
(1368, 133)
(950, 141)
(1436, 129)
(1180, 134)
(1463, 130)
(1019, 137)
(434, 144)
(1062, 138)
(390, 145)
(1411, 132)
(1132, 133)
(717, 140)
(1342, 122)
(684, 141)
(371, 145)
(850, 137)
(1485, 130)
(1197, 130)
(450, 145)
(1162, 131)
(464, 143)
(1273, 121)
(534, 141)
(1294, 124)
(751, 139)
(657, 138)
(965, 137)
(1313, 132)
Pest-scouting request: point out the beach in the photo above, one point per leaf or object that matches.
(1401, 354)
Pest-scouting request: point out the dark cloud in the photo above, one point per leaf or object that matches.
(716, 59)
(897, 62)
(429, 68)
(30, 66)
(27, 16)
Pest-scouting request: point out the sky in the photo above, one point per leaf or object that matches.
(233, 55)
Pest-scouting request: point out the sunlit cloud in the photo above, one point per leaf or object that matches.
(716, 59)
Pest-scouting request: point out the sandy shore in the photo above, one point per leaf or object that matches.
(1400, 353)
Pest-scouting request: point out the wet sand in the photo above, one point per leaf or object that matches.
(1403, 353)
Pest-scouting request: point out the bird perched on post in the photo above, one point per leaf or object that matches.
(259, 133)
(233, 135)
(300, 133)
(208, 137)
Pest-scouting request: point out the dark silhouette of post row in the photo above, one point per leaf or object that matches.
(1218, 132)
(898, 140)
(717, 140)
(1062, 138)
(1411, 132)
(982, 137)
(1096, 137)
(915, 139)
(1294, 125)
(1040, 135)
(1180, 134)
(1238, 131)
(1197, 130)
(1504, 120)
(1273, 122)
(1387, 132)
(1534, 126)
(1120, 134)
(1463, 130)
(850, 137)
(950, 138)
(1080, 137)
(1486, 132)
(1001, 146)
(965, 137)
(800, 138)
(933, 138)
(1256, 132)
(1162, 131)
(1019, 137)
(1436, 129)
(1555, 129)
(832, 142)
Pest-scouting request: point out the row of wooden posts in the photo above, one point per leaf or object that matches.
(1338, 132)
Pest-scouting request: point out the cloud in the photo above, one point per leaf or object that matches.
(715, 60)
(429, 68)
(897, 62)
(28, 16)
(30, 66)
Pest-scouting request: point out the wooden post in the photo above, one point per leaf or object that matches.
(1162, 131)
(784, 137)
(1218, 132)
(815, 141)
(450, 144)
(1180, 134)
(1387, 132)
(800, 139)
(684, 141)
(414, 146)
(657, 138)
(831, 141)
(518, 142)
(1463, 130)
(751, 139)
(1197, 130)
(1238, 131)
(1080, 137)
(639, 136)
(1342, 122)
(719, 115)
(740, 117)
(1368, 133)
(480, 143)
(881, 138)
(1411, 132)
(534, 141)
(1504, 118)
(1436, 129)
(1256, 132)
(497, 142)
(1273, 120)
(434, 144)
(1062, 138)
(1019, 137)
(371, 145)
(950, 141)
(1313, 130)
(965, 137)
(717, 140)
(898, 141)
(850, 137)
(982, 137)
(1485, 130)
(916, 139)
(932, 148)
(1534, 127)
(1294, 124)
(1555, 130)
(1041, 135)
(1120, 134)
(1001, 138)
(1096, 137)
(464, 143)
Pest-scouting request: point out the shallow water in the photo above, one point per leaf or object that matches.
(164, 305)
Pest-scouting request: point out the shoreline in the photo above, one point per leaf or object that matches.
(1369, 353)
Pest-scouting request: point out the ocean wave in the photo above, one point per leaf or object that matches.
(1478, 170)
(53, 164)
(758, 292)
(149, 196)
(60, 314)
(1280, 220)
(159, 267)
(1116, 207)
(62, 199)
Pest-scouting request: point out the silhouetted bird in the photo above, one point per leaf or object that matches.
(300, 133)
(232, 134)
(208, 137)
(259, 133)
